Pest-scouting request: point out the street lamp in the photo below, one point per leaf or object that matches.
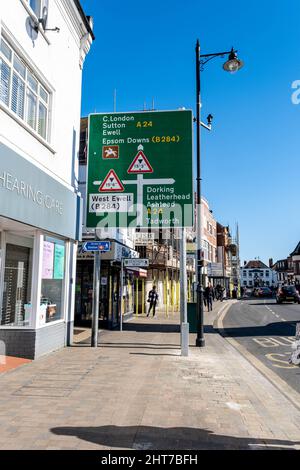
(233, 64)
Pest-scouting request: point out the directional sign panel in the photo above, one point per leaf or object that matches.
(136, 262)
(96, 246)
(140, 170)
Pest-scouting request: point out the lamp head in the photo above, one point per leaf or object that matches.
(209, 119)
(233, 64)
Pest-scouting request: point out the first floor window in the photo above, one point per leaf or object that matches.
(4, 82)
(22, 92)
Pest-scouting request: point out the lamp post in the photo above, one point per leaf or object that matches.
(233, 64)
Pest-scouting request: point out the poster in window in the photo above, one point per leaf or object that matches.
(48, 255)
(59, 261)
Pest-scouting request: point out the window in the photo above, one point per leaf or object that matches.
(21, 91)
(267, 273)
(16, 305)
(245, 273)
(53, 280)
(250, 283)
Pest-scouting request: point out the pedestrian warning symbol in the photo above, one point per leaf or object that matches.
(111, 183)
(140, 163)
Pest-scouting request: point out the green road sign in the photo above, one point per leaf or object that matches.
(140, 170)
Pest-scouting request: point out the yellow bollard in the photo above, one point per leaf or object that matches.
(143, 296)
(173, 296)
(177, 295)
(137, 297)
(167, 298)
(110, 297)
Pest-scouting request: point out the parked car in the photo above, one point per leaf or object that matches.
(263, 292)
(287, 294)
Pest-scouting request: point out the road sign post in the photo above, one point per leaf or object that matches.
(122, 288)
(140, 170)
(97, 247)
(183, 297)
(96, 293)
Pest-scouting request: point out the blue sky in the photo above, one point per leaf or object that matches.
(250, 161)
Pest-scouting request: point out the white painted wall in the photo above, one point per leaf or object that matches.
(56, 60)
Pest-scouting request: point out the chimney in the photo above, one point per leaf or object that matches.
(245, 262)
(271, 262)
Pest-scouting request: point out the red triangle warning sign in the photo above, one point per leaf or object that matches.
(140, 164)
(111, 183)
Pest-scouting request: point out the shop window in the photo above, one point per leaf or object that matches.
(53, 280)
(16, 303)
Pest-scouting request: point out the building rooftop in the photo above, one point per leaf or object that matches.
(296, 250)
(86, 19)
(255, 264)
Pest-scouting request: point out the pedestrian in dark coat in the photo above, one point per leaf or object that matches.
(152, 299)
(208, 295)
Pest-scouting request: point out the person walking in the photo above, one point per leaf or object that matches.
(152, 299)
(208, 295)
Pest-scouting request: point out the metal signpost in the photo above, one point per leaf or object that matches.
(97, 247)
(184, 330)
(140, 170)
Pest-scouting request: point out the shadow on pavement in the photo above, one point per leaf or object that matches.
(157, 438)
(153, 354)
(151, 327)
(272, 329)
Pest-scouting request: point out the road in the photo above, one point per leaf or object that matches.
(266, 330)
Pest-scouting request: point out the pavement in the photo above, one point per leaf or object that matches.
(136, 391)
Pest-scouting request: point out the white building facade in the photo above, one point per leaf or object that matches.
(257, 274)
(42, 51)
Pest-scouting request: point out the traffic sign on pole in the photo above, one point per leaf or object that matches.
(96, 246)
(140, 170)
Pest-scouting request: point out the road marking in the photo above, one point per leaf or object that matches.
(278, 383)
(274, 342)
(287, 365)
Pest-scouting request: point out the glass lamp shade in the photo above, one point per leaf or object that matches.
(233, 64)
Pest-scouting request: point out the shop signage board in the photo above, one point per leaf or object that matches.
(96, 246)
(136, 262)
(140, 170)
(143, 239)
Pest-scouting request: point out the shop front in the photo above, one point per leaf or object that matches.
(38, 229)
(110, 295)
